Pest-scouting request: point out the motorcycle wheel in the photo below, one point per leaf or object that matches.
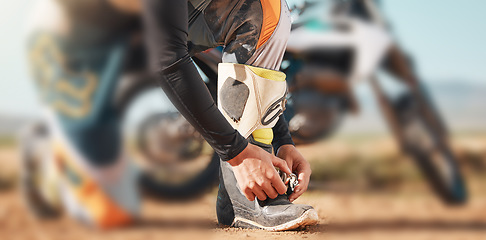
(430, 150)
(185, 168)
(195, 187)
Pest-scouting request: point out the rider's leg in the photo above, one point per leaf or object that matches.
(252, 96)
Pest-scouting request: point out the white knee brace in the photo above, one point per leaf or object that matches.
(250, 98)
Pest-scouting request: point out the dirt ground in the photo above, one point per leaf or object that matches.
(411, 213)
(342, 216)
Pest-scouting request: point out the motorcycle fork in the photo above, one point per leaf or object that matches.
(400, 67)
(388, 111)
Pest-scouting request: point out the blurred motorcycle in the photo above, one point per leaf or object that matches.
(325, 58)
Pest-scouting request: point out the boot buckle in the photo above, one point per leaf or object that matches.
(290, 181)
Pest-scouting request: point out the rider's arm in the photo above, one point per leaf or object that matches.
(281, 134)
(167, 28)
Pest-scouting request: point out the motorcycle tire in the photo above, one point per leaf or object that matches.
(430, 150)
(154, 186)
(193, 188)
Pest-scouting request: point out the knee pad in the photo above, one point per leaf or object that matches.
(251, 98)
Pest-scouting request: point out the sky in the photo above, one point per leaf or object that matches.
(445, 37)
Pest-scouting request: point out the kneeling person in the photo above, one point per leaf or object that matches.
(251, 95)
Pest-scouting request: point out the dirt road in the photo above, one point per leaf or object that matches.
(342, 216)
(411, 213)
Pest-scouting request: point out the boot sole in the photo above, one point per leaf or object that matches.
(309, 218)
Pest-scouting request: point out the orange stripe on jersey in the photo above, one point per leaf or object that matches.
(271, 17)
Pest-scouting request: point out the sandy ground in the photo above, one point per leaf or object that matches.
(413, 213)
(342, 216)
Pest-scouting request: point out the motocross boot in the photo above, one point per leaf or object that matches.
(279, 214)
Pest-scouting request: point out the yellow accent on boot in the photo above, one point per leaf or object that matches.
(264, 135)
(268, 74)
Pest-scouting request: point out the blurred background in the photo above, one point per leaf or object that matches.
(362, 183)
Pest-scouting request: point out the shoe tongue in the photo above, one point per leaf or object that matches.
(279, 200)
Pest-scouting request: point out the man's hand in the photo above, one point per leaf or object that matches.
(255, 173)
(299, 166)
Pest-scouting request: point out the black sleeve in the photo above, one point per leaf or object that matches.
(281, 134)
(166, 32)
